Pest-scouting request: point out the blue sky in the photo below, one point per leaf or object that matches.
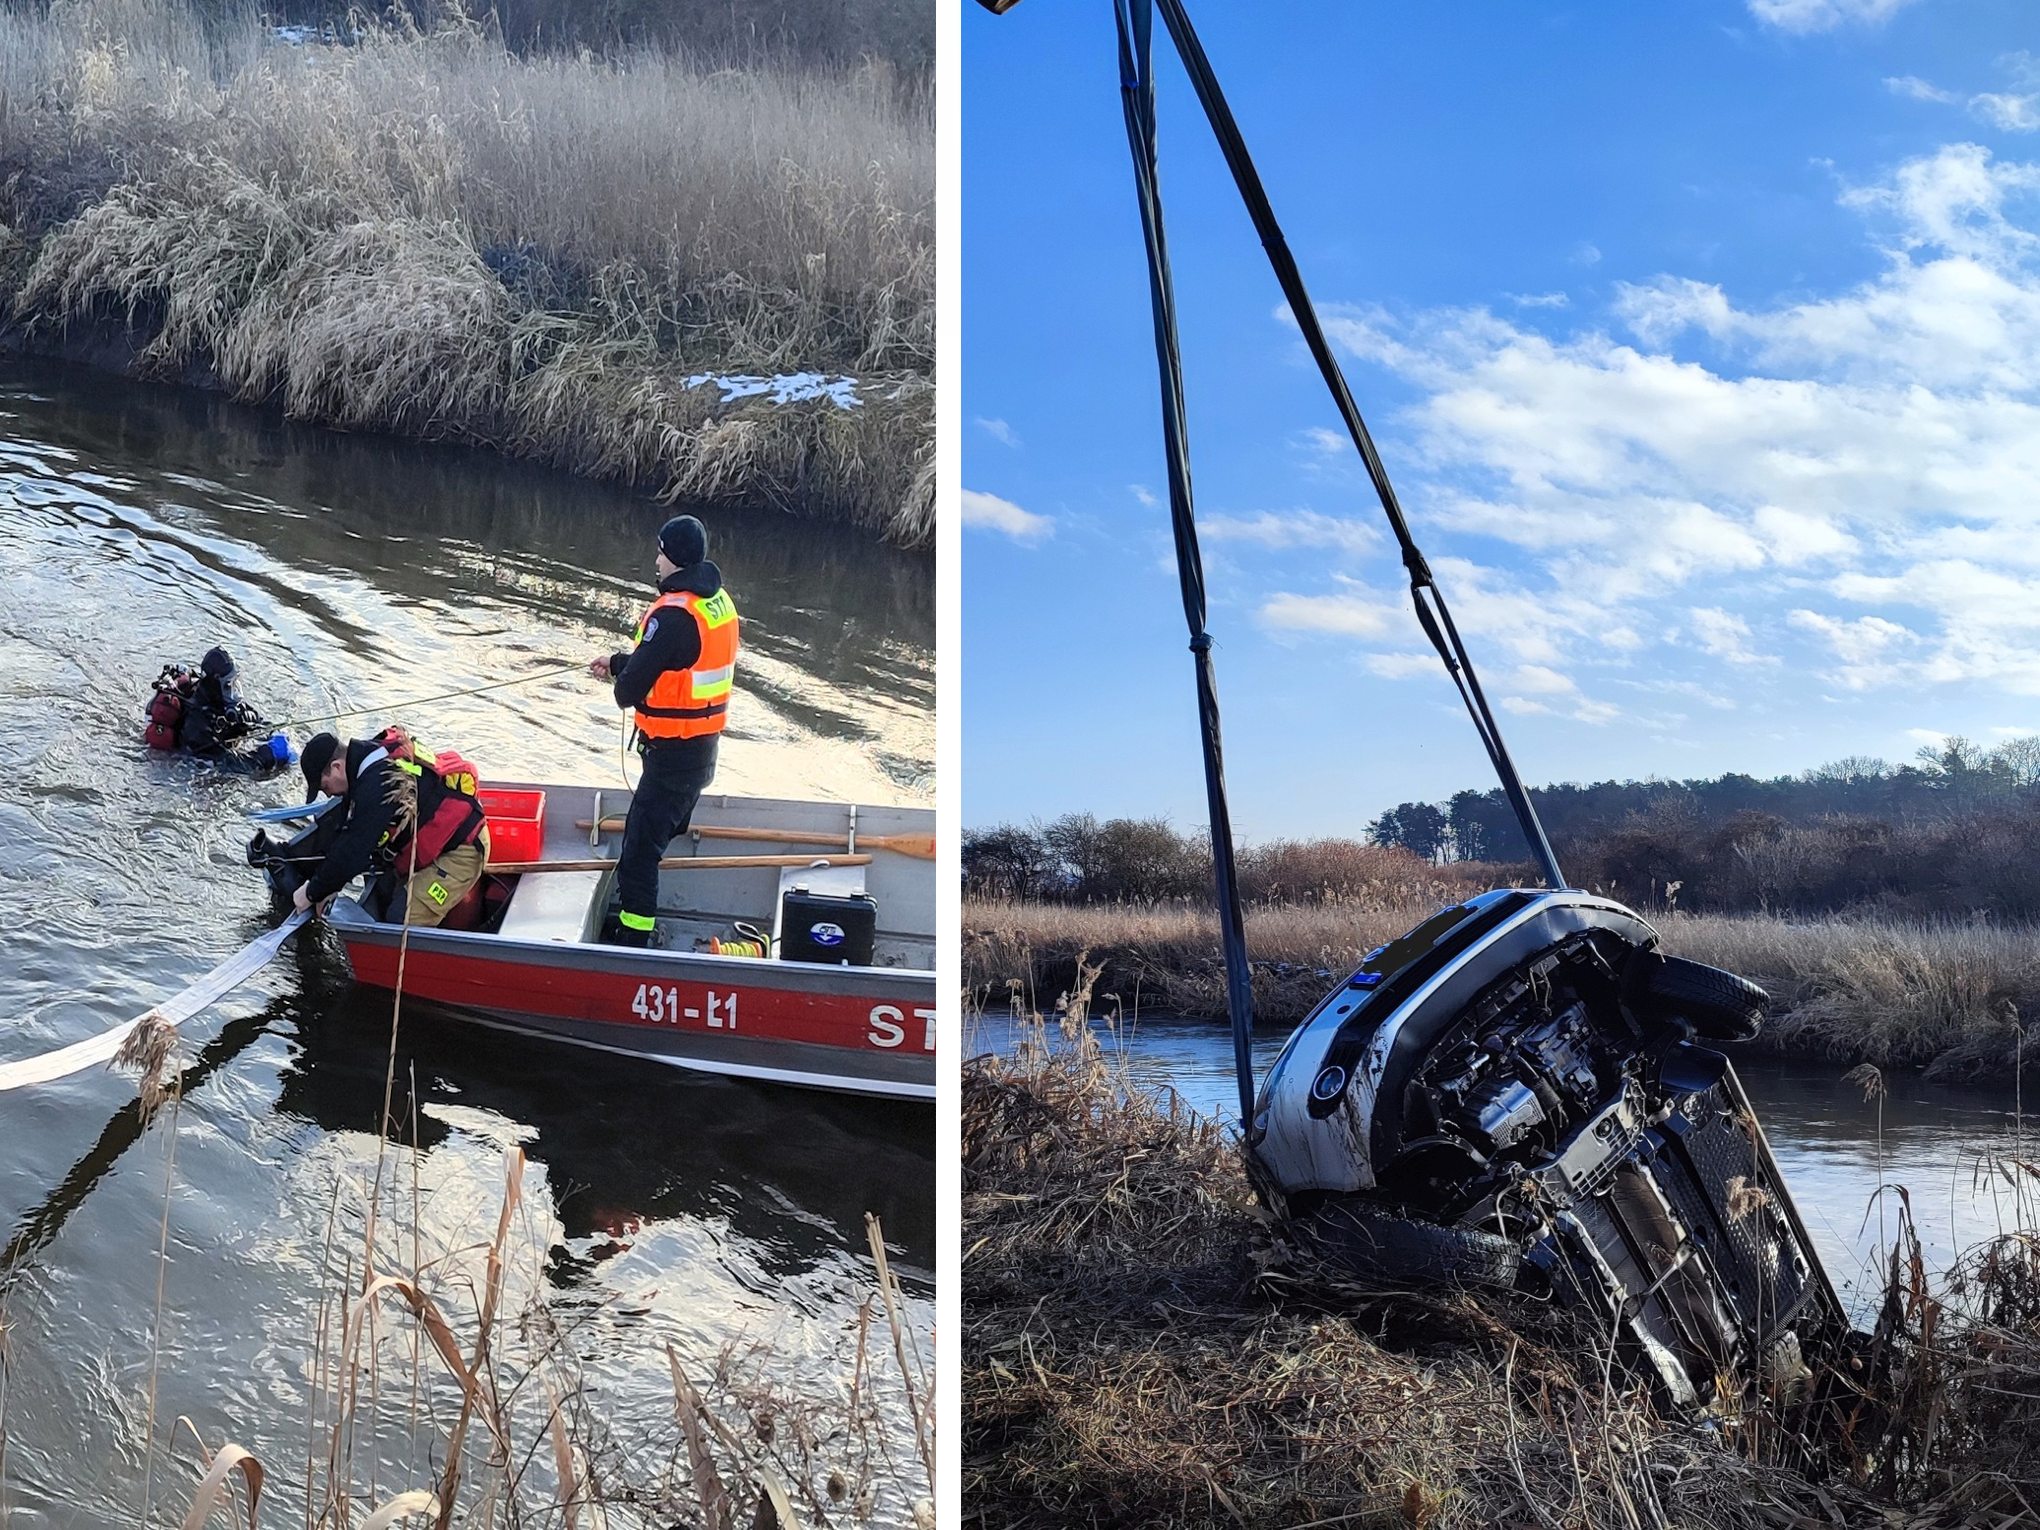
(1701, 340)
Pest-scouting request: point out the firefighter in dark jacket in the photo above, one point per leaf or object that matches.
(677, 683)
(398, 816)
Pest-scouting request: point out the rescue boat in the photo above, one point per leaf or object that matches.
(800, 951)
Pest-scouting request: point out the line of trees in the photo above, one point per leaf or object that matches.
(1956, 831)
(1079, 858)
(1958, 777)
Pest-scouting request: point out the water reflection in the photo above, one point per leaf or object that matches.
(623, 1145)
(350, 569)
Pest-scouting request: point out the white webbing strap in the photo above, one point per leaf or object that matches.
(229, 974)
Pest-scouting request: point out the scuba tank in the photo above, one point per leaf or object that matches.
(173, 690)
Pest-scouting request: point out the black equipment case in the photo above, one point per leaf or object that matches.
(816, 927)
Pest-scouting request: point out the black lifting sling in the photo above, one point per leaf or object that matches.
(1137, 94)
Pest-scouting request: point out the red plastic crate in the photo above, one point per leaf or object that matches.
(516, 823)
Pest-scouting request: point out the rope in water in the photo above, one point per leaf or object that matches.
(419, 701)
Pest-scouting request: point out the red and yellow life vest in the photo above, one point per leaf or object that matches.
(693, 702)
(448, 812)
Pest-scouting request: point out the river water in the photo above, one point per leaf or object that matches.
(140, 525)
(1935, 1142)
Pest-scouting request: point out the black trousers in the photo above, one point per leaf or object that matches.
(662, 808)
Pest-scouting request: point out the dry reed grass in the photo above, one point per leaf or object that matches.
(1142, 1347)
(436, 1344)
(1944, 996)
(430, 236)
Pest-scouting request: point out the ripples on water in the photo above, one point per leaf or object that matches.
(139, 525)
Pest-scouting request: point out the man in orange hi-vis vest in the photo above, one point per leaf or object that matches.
(677, 683)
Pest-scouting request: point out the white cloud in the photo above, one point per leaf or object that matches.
(1595, 712)
(1586, 254)
(999, 431)
(1143, 493)
(1956, 199)
(1725, 635)
(1351, 615)
(1989, 622)
(1882, 439)
(2013, 114)
(988, 512)
(1914, 88)
(1855, 641)
(1324, 443)
(1540, 680)
(1539, 299)
(1863, 645)
(1405, 666)
(1793, 536)
(1291, 528)
(1824, 15)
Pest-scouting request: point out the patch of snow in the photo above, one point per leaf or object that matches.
(788, 388)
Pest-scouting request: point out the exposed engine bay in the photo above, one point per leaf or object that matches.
(1517, 1094)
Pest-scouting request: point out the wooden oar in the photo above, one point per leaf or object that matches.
(690, 863)
(920, 846)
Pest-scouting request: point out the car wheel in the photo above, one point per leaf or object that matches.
(1718, 1005)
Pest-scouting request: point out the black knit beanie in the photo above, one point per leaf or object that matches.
(684, 541)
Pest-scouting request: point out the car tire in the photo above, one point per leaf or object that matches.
(1718, 1005)
(1394, 1251)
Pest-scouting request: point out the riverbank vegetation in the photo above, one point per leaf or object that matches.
(1959, 999)
(1891, 911)
(1885, 831)
(1141, 1346)
(446, 1380)
(711, 278)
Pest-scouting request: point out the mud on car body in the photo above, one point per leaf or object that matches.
(1518, 1093)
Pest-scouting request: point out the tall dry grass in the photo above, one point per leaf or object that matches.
(1952, 998)
(444, 1383)
(1143, 1344)
(430, 235)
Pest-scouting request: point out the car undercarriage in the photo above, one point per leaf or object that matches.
(1520, 1094)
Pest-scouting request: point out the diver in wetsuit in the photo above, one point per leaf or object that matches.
(203, 714)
